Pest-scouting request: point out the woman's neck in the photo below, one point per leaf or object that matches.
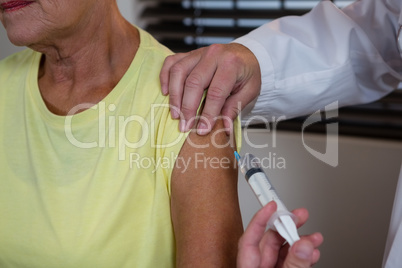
(86, 65)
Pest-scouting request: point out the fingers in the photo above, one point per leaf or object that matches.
(212, 70)
(304, 253)
(301, 215)
(272, 240)
(257, 225)
(300, 255)
(224, 70)
(249, 254)
(184, 82)
(315, 239)
(237, 80)
(258, 248)
(165, 71)
(245, 93)
(232, 108)
(219, 90)
(272, 243)
(197, 81)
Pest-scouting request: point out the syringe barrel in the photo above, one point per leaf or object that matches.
(259, 182)
(264, 190)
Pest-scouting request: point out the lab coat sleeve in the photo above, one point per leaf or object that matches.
(308, 62)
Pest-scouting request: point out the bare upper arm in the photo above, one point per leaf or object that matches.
(204, 204)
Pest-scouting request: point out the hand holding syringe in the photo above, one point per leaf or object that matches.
(282, 220)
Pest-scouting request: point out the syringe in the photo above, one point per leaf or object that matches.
(282, 220)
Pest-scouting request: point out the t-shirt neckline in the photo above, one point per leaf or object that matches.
(88, 115)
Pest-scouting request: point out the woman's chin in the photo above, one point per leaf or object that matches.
(18, 38)
(17, 41)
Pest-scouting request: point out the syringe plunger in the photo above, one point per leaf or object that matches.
(282, 220)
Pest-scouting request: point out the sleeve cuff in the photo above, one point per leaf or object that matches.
(260, 106)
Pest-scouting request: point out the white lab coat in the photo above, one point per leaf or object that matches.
(349, 55)
(327, 55)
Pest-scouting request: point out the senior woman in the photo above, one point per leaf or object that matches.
(87, 150)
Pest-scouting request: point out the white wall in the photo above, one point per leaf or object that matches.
(6, 48)
(350, 204)
(130, 9)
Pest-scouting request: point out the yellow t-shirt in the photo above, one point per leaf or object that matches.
(93, 189)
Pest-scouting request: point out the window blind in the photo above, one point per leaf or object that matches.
(381, 119)
(184, 25)
(189, 24)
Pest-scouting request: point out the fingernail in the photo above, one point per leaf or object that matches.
(303, 250)
(182, 125)
(228, 129)
(202, 128)
(164, 90)
(175, 114)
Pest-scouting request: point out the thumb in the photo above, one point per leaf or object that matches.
(230, 111)
(235, 104)
(300, 255)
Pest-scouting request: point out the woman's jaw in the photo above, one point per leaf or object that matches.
(37, 22)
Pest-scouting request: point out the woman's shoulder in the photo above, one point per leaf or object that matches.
(16, 62)
(17, 57)
(148, 42)
(145, 68)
